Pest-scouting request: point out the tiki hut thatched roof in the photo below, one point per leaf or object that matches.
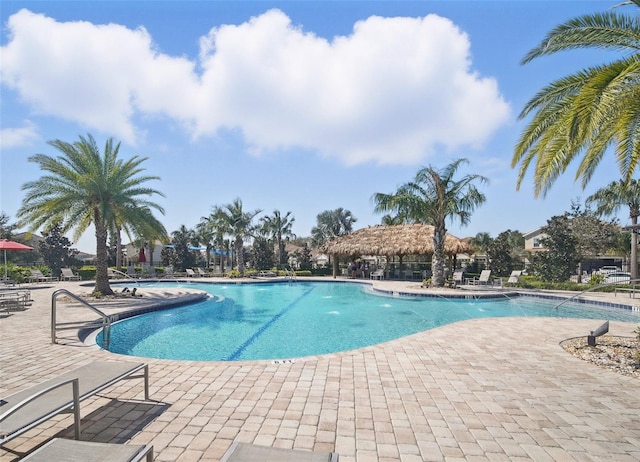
(412, 239)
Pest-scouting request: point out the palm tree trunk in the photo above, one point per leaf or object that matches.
(239, 254)
(102, 280)
(634, 248)
(118, 249)
(437, 261)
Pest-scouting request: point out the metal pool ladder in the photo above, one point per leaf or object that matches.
(105, 321)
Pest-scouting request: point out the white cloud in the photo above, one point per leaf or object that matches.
(19, 137)
(394, 91)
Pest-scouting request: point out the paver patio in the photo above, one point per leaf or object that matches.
(478, 390)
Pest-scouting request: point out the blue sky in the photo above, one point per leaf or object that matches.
(300, 106)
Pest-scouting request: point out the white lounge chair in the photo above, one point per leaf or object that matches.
(377, 274)
(190, 273)
(28, 408)
(241, 452)
(131, 271)
(71, 450)
(483, 279)
(457, 277)
(514, 277)
(202, 273)
(68, 275)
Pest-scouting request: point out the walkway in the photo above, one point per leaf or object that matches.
(478, 390)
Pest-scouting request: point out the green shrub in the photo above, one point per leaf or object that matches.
(234, 273)
(303, 273)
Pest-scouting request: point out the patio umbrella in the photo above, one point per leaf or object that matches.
(6, 244)
(142, 258)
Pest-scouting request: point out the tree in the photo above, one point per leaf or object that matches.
(179, 255)
(280, 228)
(83, 187)
(262, 256)
(586, 112)
(592, 235)
(304, 258)
(559, 262)
(238, 223)
(501, 254)
(481, 242)
(332, 224)
(610, 199)
(56, 250)
(431, 198)
(6, 229)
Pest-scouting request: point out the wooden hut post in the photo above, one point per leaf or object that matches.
(335, 266)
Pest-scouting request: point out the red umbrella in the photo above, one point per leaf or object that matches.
(141, 256)
(6, 244)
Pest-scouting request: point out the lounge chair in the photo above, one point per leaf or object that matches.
(14, 299)
(408, 274)
(514, 277)
(377, 274)
(457, 277)
(68, 275)
(71, 450)
(110, 273)
(149, 271)
(28, 408)
(131, 271)
(484, 279)
(37, 276)
(202, 273)
(243, 452)
(190, 273)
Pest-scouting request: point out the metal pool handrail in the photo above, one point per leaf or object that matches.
(106, 321)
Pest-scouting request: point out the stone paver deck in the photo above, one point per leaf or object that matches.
(478, 390)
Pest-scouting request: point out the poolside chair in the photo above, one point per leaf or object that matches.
(110, 273)
(484, 279)
(202, 273)
(68, 275)
(457, 277)
(408, 274)
(242, 452)
(14, 299)
(37, 276)
(71, 450)
(514, 277)
(377, 274)
(150, 271)
(131, 271)
(28, 408)
(190, 273)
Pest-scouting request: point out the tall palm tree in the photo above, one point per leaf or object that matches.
(587, 112)
(280, 228)
(431, 198)
(83, 187)
(238, 223)
(610, 199)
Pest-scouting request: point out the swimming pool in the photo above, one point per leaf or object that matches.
(281, 321)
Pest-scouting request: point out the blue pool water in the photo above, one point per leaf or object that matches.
(278, 321)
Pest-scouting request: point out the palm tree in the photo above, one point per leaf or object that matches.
(610, 199)
(279, 227)
(481, 242)
(237, 223)
(586, 112)
(431, 198)
(84, 187)
(331, 224)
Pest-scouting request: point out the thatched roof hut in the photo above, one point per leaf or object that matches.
(414, 239)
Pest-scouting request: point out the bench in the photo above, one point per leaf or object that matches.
(27, 408)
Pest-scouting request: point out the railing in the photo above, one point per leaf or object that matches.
(591, 289)
(106, 322)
